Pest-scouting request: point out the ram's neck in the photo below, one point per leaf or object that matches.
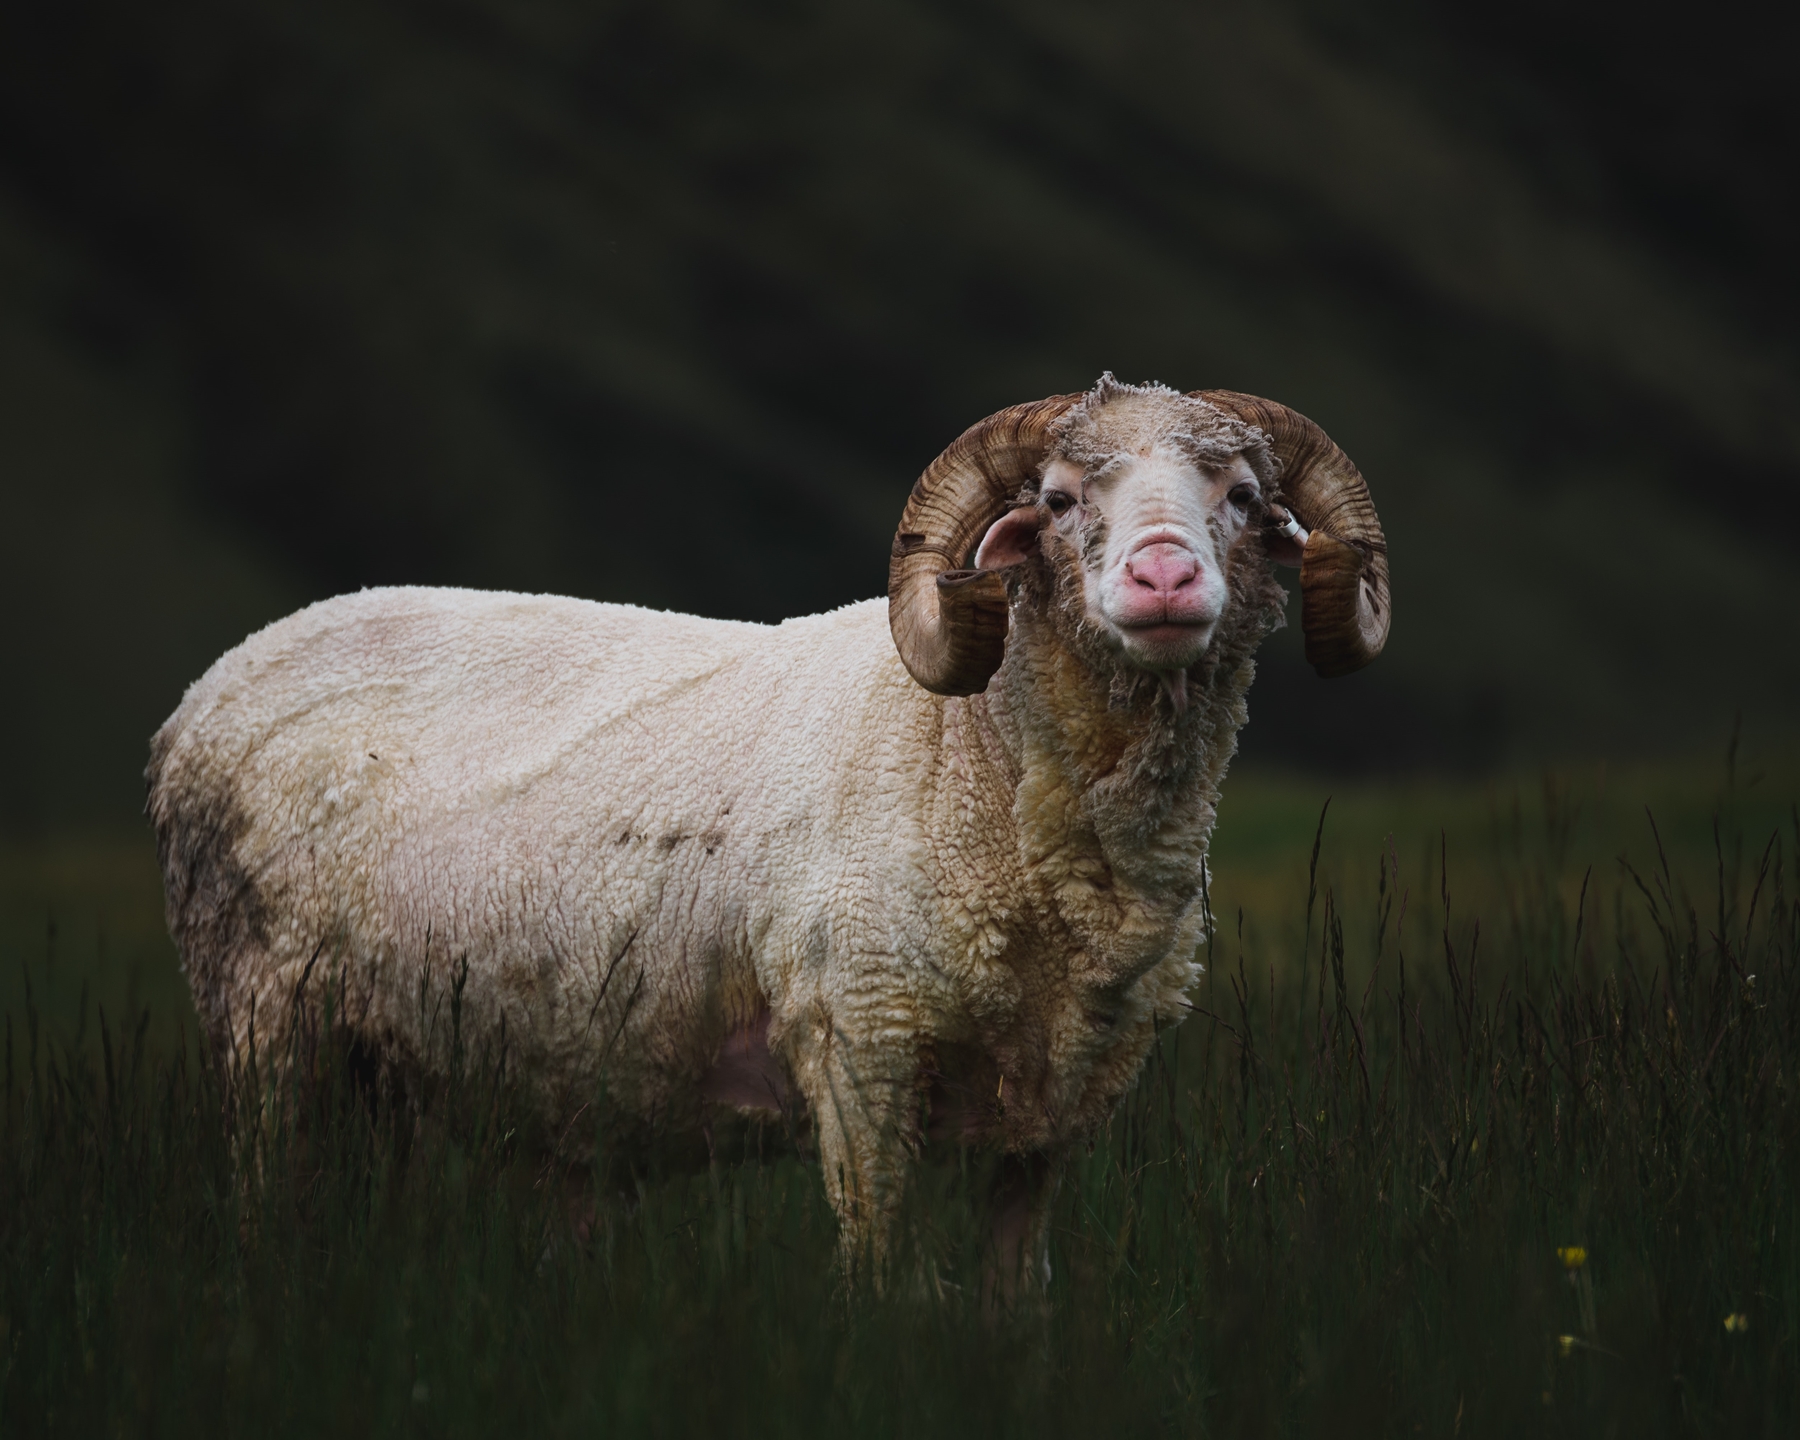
(1138, 774)
(1105, 793)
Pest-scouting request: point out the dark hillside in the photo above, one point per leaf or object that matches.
(669, 303)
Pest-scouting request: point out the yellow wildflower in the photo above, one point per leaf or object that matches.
(1573, 1257)
(1736, 1323)
(1566, 1345)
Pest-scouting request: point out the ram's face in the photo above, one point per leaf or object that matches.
(1151, 534)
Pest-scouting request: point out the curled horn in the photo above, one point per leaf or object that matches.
(1344, 606)
(949, 623)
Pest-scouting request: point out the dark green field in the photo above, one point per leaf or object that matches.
(1493, 1022)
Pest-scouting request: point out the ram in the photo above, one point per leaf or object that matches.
(933, 868)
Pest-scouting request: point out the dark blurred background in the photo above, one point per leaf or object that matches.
(670, 302)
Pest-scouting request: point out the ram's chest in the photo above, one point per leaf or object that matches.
(1061, 954)
(1058, 994)
(1050, 1069)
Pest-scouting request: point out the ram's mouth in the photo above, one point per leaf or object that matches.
(1165, 644)
(1168, 633)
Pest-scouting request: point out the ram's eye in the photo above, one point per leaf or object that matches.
(1243, 496)
(1059, 501)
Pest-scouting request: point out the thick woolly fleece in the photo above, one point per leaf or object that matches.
(691, 868)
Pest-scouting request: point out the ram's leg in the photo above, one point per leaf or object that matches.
(250, 1035)
(862, 1098)
(1019, 1259)
(256, 1036)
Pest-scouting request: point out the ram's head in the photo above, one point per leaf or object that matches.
(1138, 496)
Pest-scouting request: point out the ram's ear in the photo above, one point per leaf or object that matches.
(1010, 540)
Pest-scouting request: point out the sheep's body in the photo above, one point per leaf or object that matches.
(692, 870)
(411, 779)
(660, 842)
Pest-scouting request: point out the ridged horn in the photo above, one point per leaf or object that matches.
(1344, 605)
(949, 623)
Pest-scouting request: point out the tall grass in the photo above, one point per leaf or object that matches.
(1333, 1204)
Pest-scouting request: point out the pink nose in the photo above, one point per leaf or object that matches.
(1163, 569)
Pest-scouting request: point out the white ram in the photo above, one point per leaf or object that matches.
(709, 869)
